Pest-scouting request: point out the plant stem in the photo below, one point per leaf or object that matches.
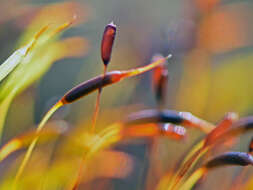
(33, 143)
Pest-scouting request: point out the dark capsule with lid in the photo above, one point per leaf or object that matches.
(107, 42)
(101, 81)
(231, 158)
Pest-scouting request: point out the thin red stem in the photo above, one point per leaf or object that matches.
(95, 114)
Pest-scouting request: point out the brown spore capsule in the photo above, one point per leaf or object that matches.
(103, 80)
(107, 42)
(153, 116)
(231, 158)
(91, 85)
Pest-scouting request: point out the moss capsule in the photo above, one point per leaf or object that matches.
(107, 42)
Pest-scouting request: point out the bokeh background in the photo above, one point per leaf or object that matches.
(210, 73)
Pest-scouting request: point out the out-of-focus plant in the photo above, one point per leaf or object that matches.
(47, 50)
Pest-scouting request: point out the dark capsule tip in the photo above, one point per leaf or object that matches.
(231, 158)
(153, 116)
(106, 62)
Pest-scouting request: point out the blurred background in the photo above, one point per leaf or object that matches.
(209, 74)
